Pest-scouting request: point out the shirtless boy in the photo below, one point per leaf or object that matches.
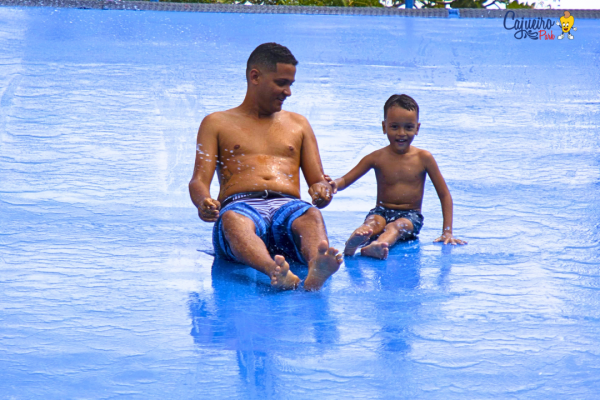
(258, 151)
(400, 170)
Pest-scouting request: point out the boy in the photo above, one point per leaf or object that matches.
(400, 170)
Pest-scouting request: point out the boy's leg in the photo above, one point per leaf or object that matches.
(373, 225)
(249, 249)
(310, 236)
(400, 229)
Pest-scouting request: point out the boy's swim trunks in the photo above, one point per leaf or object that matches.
(392, 215)
(272, 214)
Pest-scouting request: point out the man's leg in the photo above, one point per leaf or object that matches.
(400, 229)
(249, 249)
(373, 226)
(310, 236)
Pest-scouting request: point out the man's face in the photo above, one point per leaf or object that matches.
(401, 126)
(275, 86)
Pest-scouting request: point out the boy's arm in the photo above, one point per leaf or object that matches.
(445, 198)
(319, 188)
(355, 173)
(207, 150)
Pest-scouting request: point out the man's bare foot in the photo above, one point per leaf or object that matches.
(376, 250)
(281, 277)
(322, 266)
(358, 238)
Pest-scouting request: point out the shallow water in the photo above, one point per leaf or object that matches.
(108, 287)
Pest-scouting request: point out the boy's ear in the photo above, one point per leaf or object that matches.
(383, 126)
(418, 127)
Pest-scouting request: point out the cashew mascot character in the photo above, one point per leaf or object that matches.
(566, 23)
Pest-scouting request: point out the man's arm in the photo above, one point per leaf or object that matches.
(355, 173)
(204, 169)
(443, 193)
(310, 161)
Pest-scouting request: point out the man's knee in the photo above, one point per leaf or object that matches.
(234, 222)
(312, 216)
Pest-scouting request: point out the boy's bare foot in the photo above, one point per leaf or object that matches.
(281, 277)
(322, 266)
(376, 250)
(360, 236)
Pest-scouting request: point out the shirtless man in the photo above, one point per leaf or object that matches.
(258, 151)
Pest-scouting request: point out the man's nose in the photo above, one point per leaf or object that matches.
(287, 91)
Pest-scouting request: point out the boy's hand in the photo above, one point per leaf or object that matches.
(320, 193)
(333, 182)
(209, 210)
(447, 238)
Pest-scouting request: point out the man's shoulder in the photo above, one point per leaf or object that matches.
(293, 117)
(218, 117)
(218, 121)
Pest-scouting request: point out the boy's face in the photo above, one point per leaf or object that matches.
(401, 126)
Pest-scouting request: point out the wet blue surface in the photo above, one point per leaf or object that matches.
(106, 287)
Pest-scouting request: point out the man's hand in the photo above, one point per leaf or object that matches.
(321, 194)
(209, 210)
(447, 238)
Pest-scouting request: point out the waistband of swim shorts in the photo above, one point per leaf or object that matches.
(265, 194)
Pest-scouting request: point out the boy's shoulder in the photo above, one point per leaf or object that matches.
(385, 151)
(421, 152)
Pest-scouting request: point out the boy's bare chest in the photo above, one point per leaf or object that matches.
(396, 171)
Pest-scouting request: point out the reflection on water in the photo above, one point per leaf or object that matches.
(398, 275)
(445, 266)
(244, 314)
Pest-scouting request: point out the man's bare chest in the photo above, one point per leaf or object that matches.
(260, 142)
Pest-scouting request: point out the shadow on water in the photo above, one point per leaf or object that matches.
(242, 313)
(396, 278)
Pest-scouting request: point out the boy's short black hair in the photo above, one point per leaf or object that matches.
(267, 55)
(402, 101)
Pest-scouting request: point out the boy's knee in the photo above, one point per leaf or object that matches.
(402, 225)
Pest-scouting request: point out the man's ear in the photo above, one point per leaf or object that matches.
(383, 126)
(253, 76)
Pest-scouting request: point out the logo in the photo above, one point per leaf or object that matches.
(539, 28)
(566, 23)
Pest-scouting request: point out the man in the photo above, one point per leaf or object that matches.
(258, 151)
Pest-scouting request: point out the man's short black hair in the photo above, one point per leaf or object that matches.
(267, 55)
(402, 101)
